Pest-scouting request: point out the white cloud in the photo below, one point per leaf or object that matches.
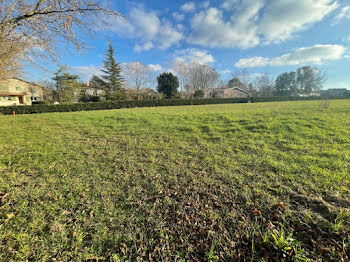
(346, 40)
(143, 47)
(168, 35)
(178, 17)
(86, 72)
(225, 72)
(188, 7)
(246, 24)
(343, 14)
(155, 68)
(210, 28)
(312, 55)
(347, 55)
(229, 4)
(194, 55)
(283, 18)
(137, 64)
(150, 31)
(255, 75)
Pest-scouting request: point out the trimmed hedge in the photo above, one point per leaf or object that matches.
(294, 98)
(34, 109)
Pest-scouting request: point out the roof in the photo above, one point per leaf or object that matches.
(231, 88)
(26, 82)
(14, 94)
(240, 89)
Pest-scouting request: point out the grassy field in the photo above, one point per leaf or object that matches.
(238, 182)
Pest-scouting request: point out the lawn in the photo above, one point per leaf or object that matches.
(235, 182)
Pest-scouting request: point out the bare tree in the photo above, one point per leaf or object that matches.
(50, 93)
(264, 84)
(138, 76)
(243, 76)
(201, 77)
(33, 29)
(222, 83)
(181, 70)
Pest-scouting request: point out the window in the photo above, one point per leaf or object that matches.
(7, 98)
(33, 98)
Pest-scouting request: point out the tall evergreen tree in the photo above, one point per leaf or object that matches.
(111, 78)
(96, 81)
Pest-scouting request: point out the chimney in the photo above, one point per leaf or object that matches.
(87, 83)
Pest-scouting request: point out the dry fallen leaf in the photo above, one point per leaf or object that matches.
(257, 212)
(281, 205)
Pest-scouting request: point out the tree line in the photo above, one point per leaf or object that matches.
(190, 80)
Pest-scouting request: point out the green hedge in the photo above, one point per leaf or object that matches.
(34, 109)
(115, 105)
(293, 98)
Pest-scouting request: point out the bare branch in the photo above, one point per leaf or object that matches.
(33, 31)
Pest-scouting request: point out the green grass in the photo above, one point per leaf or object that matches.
(242, 182)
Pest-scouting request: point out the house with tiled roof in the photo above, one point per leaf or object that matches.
(16, 92)
(228, 92)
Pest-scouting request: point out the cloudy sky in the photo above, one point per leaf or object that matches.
(259, 35)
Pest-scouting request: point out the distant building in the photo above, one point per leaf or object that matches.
(227, 92)
(335, 92)
(15, 92)
(93, 91)
(316, 93)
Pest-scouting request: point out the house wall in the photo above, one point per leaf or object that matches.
(12, 102)
(15, 88)
(235, 93)
(219, 94)
(94, 92)
(228, 93)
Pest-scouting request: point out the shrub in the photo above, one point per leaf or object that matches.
(115, 105)
(144, 103)
(86, 99)
(38, 103)
(198, 94)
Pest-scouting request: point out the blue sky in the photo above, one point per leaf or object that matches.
(259, 35)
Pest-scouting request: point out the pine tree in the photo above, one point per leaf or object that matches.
(68, 87)
(111, 78)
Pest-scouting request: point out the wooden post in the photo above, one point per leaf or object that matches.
(14, 113)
